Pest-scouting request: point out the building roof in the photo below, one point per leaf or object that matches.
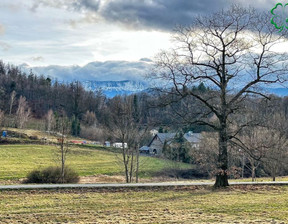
(193, 137)
(166, 136)
(144, 148)
(163, 137)
(189, 136)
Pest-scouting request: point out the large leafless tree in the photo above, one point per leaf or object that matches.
(234, 52)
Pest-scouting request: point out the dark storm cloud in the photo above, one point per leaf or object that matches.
(150, 14)
(165, 14)
(156, 14)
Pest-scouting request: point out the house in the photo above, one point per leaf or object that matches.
(193, 138)
(157, 143)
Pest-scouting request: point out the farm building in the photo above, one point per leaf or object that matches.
(158, 141)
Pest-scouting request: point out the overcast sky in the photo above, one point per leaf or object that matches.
(75, 32)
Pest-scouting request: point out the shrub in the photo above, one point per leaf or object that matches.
(52, 175)
(34, 137)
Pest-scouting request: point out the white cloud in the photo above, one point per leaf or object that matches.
(100, 71)
(47, 32)
(67, 32)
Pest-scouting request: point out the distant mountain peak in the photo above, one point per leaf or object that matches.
(112, 88)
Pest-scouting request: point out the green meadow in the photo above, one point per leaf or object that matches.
(18, 160)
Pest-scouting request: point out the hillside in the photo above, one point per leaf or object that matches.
(18, 160)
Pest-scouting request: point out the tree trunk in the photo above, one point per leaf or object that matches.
(125, 161)
(221, 180)
(62, 160)
(253, 173)
(222, 176)
(12, 98)
(274, 173)
(243, 165)
(137, 163)
(131, 166)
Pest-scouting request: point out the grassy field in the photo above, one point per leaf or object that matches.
(18, 160)
(250, 204)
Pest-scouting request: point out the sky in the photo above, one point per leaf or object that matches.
(76, 32)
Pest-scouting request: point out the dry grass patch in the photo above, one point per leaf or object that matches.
(151, 205)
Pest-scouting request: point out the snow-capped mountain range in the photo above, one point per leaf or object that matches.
(112, 77)
(112, 88)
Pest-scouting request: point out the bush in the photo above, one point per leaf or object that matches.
(52, 175)
(34, 137)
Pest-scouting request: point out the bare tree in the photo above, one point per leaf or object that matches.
(12, 99)
(50, 120)
(125, 127)
(89, 118)
(276, 157)
(23, 112)
(258, 142)
(63, 148)
(233, 52)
